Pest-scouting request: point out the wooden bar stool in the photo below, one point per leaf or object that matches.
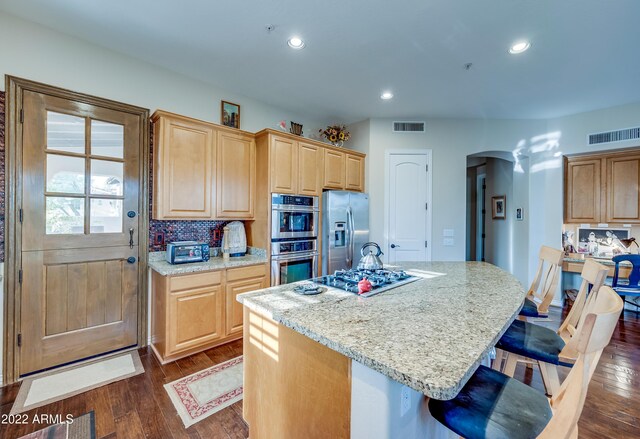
(541, 292)
(491, 405)
(527, 342)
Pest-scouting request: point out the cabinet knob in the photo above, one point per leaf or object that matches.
(131, 260)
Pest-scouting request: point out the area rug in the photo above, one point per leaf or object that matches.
(206, 392)
(48, 387)
(83, 427)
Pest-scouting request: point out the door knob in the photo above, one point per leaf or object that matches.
(394, 246)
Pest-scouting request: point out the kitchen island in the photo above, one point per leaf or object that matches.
(338, 365)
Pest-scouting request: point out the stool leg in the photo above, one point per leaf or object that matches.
(510, 366)
(497, 363)
(550, 377)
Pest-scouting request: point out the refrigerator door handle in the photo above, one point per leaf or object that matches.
(350, 234)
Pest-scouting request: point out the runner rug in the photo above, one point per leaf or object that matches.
(204, 393)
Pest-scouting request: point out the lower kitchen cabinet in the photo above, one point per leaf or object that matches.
(196, 311)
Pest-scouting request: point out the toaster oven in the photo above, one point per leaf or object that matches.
(181, 252)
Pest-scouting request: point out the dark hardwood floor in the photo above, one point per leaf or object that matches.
(140, 408)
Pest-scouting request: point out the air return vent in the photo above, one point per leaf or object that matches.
(614, 136)
(408, 127)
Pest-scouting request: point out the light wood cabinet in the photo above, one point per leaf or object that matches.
(196, 311)
(202, 170)
(603, 188)
(310, 161)
(241, 280)
(235, 175)
(283, 164)
(334, 169)
(583, 185)
(184, 153)
(354, 172)
(623, 188)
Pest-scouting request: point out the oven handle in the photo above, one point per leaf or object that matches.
(295, 209)
(293, 257)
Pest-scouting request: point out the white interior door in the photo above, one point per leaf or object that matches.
(408, 200)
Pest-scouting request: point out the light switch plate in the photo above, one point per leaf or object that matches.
(448, 242)
(448, 232)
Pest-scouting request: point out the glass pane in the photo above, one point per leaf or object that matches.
(107, 139)
(65, 215)
(65, 174)
(106, 216)
(65, 133)
(107, 178)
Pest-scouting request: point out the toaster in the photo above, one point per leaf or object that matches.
(180, 252)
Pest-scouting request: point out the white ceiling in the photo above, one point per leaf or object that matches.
(584, 54)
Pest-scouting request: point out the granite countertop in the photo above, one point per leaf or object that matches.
(158, 263)
(430, 335)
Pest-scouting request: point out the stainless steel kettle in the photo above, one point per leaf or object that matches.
(370, 261)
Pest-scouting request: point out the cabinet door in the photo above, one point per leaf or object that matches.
(183, 171)
(354, 173)
(235, 175)
(623, 188)
(583, 190)
(194, 318)
(333, 169)
(234, 308)
(284, 165)
(310, 169)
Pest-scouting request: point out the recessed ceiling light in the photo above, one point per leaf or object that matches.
(295, 43)
(385, 96)
(519, 47)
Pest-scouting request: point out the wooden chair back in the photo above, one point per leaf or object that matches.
(544, 285)
(593, 277)
(634, 276)
(594, 334)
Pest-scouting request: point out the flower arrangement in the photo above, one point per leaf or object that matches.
(336, 134)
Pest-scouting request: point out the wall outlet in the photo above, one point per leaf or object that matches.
(158, 238)
(405, 400)
(448, 242)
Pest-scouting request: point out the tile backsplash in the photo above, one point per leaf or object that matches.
(207, 231)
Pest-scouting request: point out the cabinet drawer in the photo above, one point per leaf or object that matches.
(192, 281)
(246, 272)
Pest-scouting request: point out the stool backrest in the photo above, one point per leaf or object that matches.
(634, 276)
(593, 277)
(544, 285)
(594, 334)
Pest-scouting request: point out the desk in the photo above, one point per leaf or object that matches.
(574, 264)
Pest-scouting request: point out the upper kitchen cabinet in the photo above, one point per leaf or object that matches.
(235, 175)
(202, 170)
(603, 188)
(184, 153)
(354, 172)
(623, 188)
(583, 185)
(334, 169)
(310, 169)
(283, 165)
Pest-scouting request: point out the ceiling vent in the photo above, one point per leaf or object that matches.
(409, 127)
(614, 136)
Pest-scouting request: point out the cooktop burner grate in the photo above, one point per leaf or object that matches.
(381, 280)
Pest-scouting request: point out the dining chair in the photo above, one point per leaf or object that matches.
(492, 405)
(630, 287)
(527, 342)
(543, 287)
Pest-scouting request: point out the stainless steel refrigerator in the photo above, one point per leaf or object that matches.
(345, 229)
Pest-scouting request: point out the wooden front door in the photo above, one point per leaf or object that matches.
(80, 222)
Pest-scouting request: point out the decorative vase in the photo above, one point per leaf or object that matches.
(339, 143)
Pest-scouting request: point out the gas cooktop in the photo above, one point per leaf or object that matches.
(381, 280)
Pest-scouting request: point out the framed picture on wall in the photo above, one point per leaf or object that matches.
(230, 114)
(499, 207)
